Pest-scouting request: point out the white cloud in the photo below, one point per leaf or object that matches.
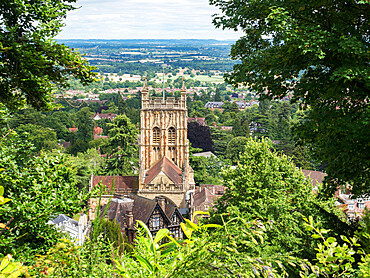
(143, 19)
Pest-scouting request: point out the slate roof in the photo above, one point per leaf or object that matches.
(168, 167)
(316, 177)
(142, 208)
(117, 210)
(214, 104)
(121, 183)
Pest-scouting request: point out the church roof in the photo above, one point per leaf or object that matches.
(171, 170)
(120, 183)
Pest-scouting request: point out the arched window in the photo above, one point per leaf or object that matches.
(157, 154)
(156, 135)
(171, 135)
(172, 153)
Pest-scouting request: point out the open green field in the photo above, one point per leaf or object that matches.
(201, 78)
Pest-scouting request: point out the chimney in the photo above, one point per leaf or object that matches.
(130, 220)
(162, 203)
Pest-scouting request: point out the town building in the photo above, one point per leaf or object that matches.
(200, 121)
(104, 116)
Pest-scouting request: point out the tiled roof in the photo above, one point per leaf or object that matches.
(201, 121)
(316, 177)
(98, 130)
(73, 129)
(205, 195)
(168, 167)
(121, 183)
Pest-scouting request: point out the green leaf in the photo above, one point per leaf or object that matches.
(198, 212)
(161, 234)
(144, 262)
(186, 231)
(173, 240)
(142, 224)
(190, 225)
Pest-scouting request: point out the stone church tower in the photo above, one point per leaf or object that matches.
(164, 148)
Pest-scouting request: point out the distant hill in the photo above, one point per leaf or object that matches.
(141, 42)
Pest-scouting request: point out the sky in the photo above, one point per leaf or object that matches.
(143, 19)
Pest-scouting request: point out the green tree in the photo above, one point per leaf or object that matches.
(123, 154)
(42, 138)
(81, 138)
(40, 187)
(33, 65)
(269, 187)
(218, 95)
(241, 127)
(235, 147)
(319, 50)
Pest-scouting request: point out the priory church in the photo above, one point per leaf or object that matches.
(165, 176)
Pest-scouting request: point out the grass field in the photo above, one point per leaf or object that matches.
(201, 78)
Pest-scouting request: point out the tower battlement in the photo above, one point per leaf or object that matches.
(157, 103)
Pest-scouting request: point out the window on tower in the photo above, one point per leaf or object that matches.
(156, 135)
(171, 135)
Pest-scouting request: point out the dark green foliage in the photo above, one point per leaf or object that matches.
(220, 139)
(319, 52)
(235, 147)
(32, 64)
(81, 138)
(241, 127)
(42, 138)
(123, 148)
(269, 187)
(41, 187)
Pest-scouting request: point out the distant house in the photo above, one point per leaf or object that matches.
(316, 177)
(102, 116)
(156, 214)
(242, 105)
(98, 130)
(73, 129)
(214, 105)
(205, 197)
(204, 154)
(227, 128)
(200, 121)
(75, 229)
(352, 207)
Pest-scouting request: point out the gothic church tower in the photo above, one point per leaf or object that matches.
(164, 148)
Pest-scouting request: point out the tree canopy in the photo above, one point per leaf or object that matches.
(267, 186)
(319, 52)
(123, 148)
(32, 64)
